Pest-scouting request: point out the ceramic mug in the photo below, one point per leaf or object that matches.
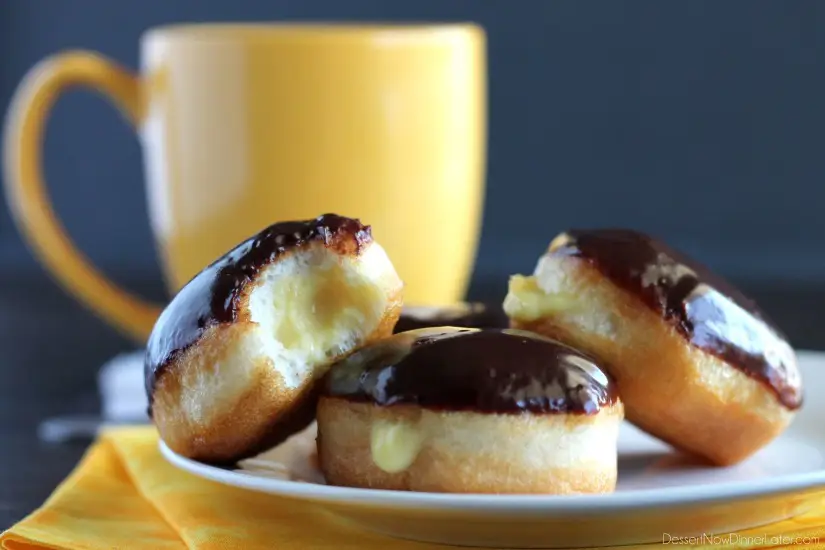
(244, 125)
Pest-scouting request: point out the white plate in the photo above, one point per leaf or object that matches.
(660, 493)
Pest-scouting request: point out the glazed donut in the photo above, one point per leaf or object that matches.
(464, 314)
(463, 410)
(697, 363)
(232, 363)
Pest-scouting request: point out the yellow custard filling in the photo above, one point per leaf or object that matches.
(395, 445)
(526, 301)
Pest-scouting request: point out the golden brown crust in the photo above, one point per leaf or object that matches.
(465, 452)
(261, 412)
(235, 390)
(219, 293)
(674, 391)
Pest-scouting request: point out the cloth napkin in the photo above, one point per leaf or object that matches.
(124, 495)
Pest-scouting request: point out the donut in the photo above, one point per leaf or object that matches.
(463, 314)
(697, 363)
(462, 410)
(233, 362)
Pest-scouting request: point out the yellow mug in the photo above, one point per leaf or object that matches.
(243, 125)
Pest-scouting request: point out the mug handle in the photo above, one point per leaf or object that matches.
(27, 195)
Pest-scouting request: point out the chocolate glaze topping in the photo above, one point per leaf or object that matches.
(213, 295)
(468, 315)
(706, 309)
(489, 371)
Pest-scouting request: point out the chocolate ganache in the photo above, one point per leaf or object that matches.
(467, 315)
(706, 309)
(213, 295)
(490, 371)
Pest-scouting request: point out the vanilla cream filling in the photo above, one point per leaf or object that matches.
(314, 306)
(550, 289)
(540, 441)
(395, 445)
(526, 300)
(554, 290)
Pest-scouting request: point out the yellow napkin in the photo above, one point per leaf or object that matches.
(124, 495)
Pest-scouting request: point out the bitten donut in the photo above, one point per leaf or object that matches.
(463, 410)
(465, 314)
(232, 363)
(697, 364)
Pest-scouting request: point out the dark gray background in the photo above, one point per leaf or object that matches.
(700, 121)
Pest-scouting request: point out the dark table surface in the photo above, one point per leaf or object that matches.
(52, 349)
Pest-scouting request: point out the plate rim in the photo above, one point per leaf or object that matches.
(592, 504)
